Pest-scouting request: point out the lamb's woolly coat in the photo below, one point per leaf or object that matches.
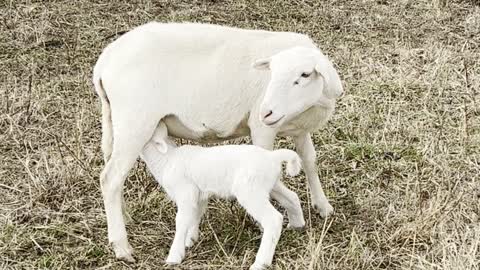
(222, 171)
(191, 174)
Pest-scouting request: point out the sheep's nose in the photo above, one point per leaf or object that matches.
(266, 114)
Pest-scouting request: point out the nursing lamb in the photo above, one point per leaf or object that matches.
(206, 83)
(191, 174)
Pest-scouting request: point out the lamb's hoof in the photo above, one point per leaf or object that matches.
(258, 266)
(191, 239)
(324, 209)
(123, 251)
(297, 227)
(189, 242)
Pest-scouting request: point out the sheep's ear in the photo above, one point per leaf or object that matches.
(263, 63)
(322, 70)
(332, 83)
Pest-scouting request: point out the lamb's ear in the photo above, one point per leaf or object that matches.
(160, 145)
(160, 136)
(262, 63)
(161, 131)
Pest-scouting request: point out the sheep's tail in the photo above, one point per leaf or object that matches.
(107, 130)
(294, 163)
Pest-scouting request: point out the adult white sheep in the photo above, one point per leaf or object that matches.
(191, 174)
(199, 79)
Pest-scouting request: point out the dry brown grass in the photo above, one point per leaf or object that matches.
(400, 161)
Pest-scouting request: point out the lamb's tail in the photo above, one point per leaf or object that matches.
(294, 163)
(107, 129)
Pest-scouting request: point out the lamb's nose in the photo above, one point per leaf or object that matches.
(267, 114)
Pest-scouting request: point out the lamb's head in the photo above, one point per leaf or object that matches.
(160, 139)
(300, 78)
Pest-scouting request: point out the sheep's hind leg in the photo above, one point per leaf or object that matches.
(290, 201)
(260, 208)
(130, 137)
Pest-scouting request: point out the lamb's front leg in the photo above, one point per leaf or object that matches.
(306, 151)
(184, 220)
(193, 231)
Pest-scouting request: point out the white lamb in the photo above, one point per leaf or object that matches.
(191, 174)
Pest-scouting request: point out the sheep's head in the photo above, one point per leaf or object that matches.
(300, 78)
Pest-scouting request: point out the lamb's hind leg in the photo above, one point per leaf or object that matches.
(130, 138)
(260, 208)
(290, 201)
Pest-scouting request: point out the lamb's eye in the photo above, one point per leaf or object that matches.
(306, 75)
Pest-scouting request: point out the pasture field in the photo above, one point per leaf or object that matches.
(399, 161)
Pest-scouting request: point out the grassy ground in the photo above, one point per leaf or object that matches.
(400, 161)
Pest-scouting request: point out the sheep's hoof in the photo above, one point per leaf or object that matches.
(123, 251)
(324, 209)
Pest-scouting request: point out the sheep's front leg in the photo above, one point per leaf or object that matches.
(264, 138)
(306, 151)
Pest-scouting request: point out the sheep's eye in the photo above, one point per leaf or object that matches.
(306, 75)
(295, 83)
